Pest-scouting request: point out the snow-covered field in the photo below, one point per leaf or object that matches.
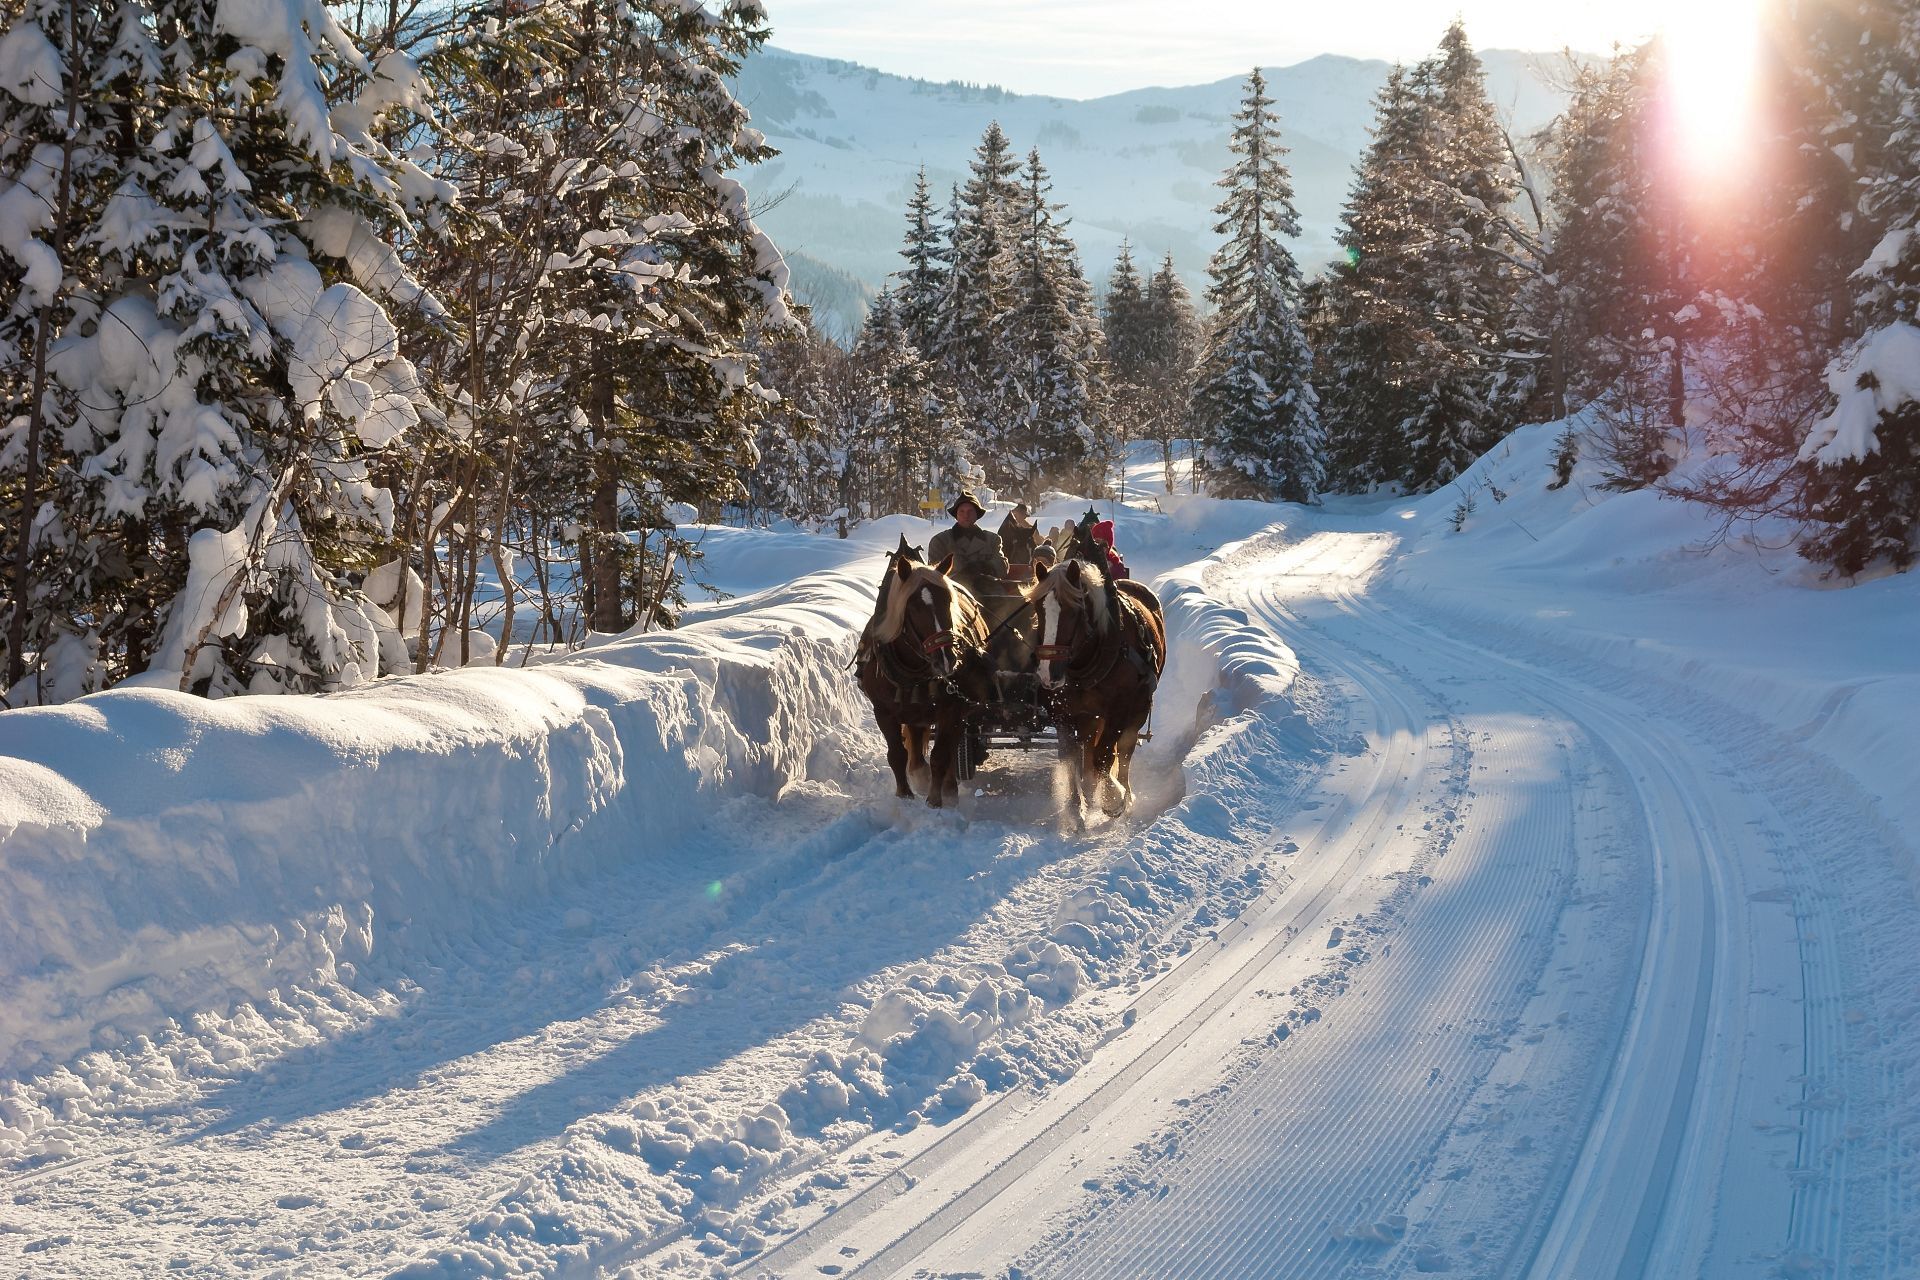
(1533, 899)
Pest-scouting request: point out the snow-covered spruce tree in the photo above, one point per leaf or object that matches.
(1125, 322)
(1456, 416)
(1420, 377)
(1860, 464)
(923, 280)
(230, 355)
(1624, 262)
(1784, 311)
(1253, 401)
(1173, 340)
(968, 343)
(629, 358)
(1050, 358)
(67, 593)
(793, 474)
(901, 416)
(1375, 319)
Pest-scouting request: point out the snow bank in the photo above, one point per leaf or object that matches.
(1253, 663)
(166, 855)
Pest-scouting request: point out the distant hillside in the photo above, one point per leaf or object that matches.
(1140, 164)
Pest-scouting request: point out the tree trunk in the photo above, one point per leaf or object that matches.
(36, 411)
(607, 612)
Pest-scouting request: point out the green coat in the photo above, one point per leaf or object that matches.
(977, 561)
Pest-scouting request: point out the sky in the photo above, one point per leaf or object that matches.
(1088, 48)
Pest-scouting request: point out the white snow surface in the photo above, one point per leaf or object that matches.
(1533, 899)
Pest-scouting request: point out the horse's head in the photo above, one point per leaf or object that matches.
(930, 619)
(1072, 604)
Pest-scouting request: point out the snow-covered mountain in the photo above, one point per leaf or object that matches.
(1140, 164)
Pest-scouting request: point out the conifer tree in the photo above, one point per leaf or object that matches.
(978, 289)
(1376, 314)
(1253, 398)
(1052, 358)
(231, 362)
(902, 414)
(1860, 464)
(1424, 368)
(1623, 262)
(924, 279)
(1125, 321)
(1456, 416)
(1173, 343)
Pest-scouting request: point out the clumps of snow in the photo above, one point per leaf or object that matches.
(302, 34)
(921, 1039)
(27, 207)
(31, 69)
(375, 263)
(1877, 377)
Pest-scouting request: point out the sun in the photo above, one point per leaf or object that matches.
(1711, 55)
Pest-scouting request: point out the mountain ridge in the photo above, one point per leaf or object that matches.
(1139, 164)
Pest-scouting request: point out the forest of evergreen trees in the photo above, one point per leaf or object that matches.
(340, 340)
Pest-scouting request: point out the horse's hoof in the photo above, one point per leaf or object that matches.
(903, 794)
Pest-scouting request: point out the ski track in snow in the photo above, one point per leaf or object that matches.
(1599, 1007)
(1746, 1121)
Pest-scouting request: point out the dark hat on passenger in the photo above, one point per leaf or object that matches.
(966, 496)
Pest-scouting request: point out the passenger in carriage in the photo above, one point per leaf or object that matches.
(1103, 538)
(1018, 538)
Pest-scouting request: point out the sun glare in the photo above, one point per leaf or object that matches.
(1712, 52)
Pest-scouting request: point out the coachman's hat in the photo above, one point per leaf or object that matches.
(966, 496)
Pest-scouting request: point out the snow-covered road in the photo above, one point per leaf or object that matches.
(1514, 938)
(1555, 987)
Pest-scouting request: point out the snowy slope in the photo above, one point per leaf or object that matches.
(1536, 899)
(1140, 164)
(1649, 584)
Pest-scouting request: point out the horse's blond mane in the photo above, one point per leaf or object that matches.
(1091, 594)
(968, 617)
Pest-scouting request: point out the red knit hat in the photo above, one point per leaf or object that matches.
(1103, 533)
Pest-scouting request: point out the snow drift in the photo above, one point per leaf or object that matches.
(165, 854)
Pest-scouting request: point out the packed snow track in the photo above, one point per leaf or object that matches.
(1551, 989)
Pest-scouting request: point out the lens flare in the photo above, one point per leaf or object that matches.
(1711, 53)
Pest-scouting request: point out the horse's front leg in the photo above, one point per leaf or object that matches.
(945, 785)
(897, 755)
(917, 770)
(1100, 761)
(1124, 759)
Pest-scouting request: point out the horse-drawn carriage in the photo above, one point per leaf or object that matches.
(1069, 664)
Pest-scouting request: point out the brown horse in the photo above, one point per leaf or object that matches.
(922, 663)
(1102, 648)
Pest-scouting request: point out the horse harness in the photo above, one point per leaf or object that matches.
(911, 686)
(1106, 655)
